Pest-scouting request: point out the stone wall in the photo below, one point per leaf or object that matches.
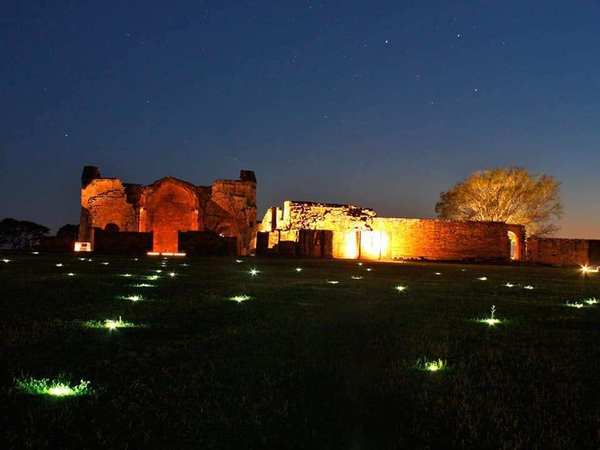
(559, 252)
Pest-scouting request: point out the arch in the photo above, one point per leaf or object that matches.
(169, 206)
(515, 246)
(112, 227)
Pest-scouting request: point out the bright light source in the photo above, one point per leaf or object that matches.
(152, 277)
(105, 263)
(298, 269)
(240, 298)
(58, 388)
(6, 261)
(126, 275)
(369, 269)
(400, 288)
(438, 273)
(239, 261)
(590, 269)
(254, 272)
(591, 301)
(110, 324)
(482, 278)
(491, 321)
(133, 298)
(333, 282)
(71, 274)
(158, 271)
(356, 277)
(509, 285)
(431, 366)
(528, 287)
(59, 265)
(35, 253)
(172, 274)
(82, 246)
(577, 305)
(359, 264)
(143, 285)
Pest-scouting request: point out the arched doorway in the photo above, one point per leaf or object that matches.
(169, 208)
(515, 249)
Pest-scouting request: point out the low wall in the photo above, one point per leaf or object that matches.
(206, 243)
(122, 242)
(562, 252)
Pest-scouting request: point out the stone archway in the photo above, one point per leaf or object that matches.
(170, 206)
(515, 248)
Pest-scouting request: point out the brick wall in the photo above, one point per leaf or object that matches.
(558, 252)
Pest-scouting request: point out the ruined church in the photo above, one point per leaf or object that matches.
(167, 216)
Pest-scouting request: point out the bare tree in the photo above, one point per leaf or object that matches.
(510, 195)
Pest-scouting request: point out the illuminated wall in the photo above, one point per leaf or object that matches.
(562, 252)
(358, 233)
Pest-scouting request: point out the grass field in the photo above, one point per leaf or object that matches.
(303, 363)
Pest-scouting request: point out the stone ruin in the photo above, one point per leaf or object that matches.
(169, 215)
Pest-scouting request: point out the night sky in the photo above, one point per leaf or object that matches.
(379, 103)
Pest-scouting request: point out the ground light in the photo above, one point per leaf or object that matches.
(333, 282)
(491, 321)
(240, 298)
(239, 261)
(105, 263)
(438, 273)
(58, 265)
(574, 305)
(110, 324)
(133, 298)
(172, 274)
(431, 366)
(126, 275)
(400, 288)
(590, 269)
(254, 272)
(528, 287)
(482, 278)
(298, 269)
(53, 388)
(591, 301)
(509, 285)
(143, 285)
(6, 261)
(152, 277)
(70, 274)
(355, 277)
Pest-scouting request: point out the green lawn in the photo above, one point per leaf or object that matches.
(304, 363)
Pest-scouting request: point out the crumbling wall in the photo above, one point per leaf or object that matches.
(323, 216)
(558, 252)
(104, 201)
(236, 212)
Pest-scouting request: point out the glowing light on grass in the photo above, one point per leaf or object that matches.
(509, 285)
(431, 366)
(298, 269)
(240, 298)
(369, 269)
(482, 278)
(333, 282)
(172, 274)
(356, 277)
(126, 275)
(589, 269)
(70, 274)
(438, 273)
(152, 277)
(359, 264)
(105, 263)
(6, 261)
(133, 298)
(158, 271)
(239, 261)
(110, 324)
(528, 287)
(254, 272)
(81, 259)
(58, 264)
(143, 285)
(35, 253)
(491, 321)
(53, 388)
(400, 288)
(591, 301)
(577, 305)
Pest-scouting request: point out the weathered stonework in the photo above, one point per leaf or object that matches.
(169, 206)
(563, 252)
(356, 232)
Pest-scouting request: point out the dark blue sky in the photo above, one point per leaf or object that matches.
(379, 103)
